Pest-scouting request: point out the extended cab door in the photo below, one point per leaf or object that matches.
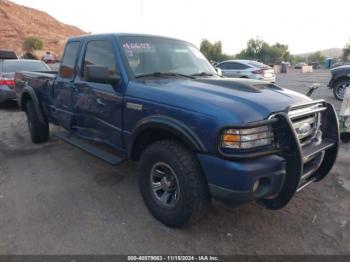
(64, 86)
(98, 106)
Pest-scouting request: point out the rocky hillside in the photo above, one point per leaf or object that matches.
(18, 22)
(332, 52)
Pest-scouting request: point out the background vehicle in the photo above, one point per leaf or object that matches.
(247, 69)
(340, 64)
(196, 135)
(7, 75)
(299, 65)
(315, 65)
(7, 54)
(48, 58)
(340, 81)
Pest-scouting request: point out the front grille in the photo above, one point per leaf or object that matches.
(307, 123)
(306, 120)
(306, 127)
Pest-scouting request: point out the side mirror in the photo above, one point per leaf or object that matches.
(100, 74)
(219, 71)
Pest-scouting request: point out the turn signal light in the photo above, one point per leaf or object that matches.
(231, 138)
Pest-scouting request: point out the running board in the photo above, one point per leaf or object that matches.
(88, 147)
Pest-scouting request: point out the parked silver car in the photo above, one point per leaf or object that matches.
(247, 69)
(8, 68)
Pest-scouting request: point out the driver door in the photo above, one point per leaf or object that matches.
(98, 106)
(64, 86)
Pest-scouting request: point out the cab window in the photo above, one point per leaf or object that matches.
(69, 60)
(100, 53)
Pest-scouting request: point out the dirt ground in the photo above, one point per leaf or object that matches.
(56, 199)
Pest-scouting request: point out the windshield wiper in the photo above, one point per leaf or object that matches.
(160, 74)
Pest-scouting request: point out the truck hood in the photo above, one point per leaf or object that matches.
(239, 100)
(340, 69)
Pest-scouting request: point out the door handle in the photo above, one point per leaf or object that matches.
(77, 88)
(100, 102)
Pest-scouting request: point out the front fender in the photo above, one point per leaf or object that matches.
(168, 124)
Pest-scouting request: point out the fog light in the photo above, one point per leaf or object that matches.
(256, 185)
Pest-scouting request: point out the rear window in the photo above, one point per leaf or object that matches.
(18, 65)
(257, 64)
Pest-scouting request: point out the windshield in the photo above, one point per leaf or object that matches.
(19, 65)
(147, 55)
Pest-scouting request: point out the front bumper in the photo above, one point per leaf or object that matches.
(7, 93)
(232, 182)
(280, 174)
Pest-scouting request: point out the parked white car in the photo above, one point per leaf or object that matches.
(247, 69)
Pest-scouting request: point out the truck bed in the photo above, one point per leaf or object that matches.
(40, 82)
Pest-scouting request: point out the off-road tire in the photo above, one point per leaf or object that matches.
(194, 196)
(336, 88)
(39, 131)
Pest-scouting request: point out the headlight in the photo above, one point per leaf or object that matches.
(247, 138)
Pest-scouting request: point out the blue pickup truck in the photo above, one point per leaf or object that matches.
(196, 135)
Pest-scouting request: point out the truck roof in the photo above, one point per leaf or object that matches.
(94, 36)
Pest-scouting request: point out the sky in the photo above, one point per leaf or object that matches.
(305, 25)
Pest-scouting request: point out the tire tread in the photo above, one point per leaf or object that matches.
(196, 181)
(39, 132)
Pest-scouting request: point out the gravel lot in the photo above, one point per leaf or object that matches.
(301, 82)
(56, 199)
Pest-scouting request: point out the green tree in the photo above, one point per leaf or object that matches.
(214, 51)
(31, 44)
(294, 59)
(259, 50)
(256, 50)
(316, 57)
(278, 53)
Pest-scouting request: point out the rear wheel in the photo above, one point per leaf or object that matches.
(340, 89)
(39, 131)
(172, 184)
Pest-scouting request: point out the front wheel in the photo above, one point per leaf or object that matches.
(340, 89)
(172, 184)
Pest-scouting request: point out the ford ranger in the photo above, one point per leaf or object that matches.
(196, 135)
